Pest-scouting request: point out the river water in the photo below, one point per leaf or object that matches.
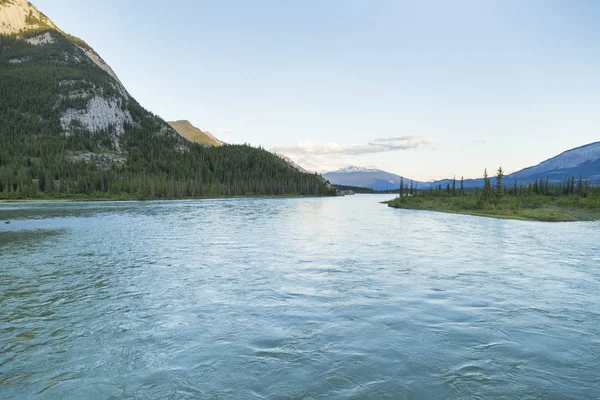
(316, 298)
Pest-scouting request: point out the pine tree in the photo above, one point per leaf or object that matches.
(487, 186)
(454, 186)
(462, 185)
(499, 187)
(401, 187)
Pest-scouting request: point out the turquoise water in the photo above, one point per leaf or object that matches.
(331, 298)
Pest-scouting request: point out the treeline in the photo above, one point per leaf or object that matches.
(494, 191)
(495, 198)
(153, 169)
(38, 159)
(355, 189)
(572, 200)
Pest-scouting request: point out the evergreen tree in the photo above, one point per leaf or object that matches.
(487, 186)
(454, 186)
(499, 187)
(401, 187)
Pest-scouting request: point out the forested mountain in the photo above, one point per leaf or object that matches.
(193, 134)
(69, 128)
(369, 178)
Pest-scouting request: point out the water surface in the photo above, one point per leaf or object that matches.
(329, 298)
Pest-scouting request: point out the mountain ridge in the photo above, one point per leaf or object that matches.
(352, 168)
(579, 161)
(68, 127)
(371, 178)
(186, 129)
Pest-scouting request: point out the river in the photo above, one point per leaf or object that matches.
(310, 298)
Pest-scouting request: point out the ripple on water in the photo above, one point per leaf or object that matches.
(298, 298)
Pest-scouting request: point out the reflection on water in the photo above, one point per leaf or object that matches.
(294, 298)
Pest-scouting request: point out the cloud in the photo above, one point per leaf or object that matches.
(250, 120)
(225, 131)
(379, 145)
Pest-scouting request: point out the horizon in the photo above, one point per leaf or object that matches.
(420, 91)
(471, 177)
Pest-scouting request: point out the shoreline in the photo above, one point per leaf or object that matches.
(543, 214)
(84, 200)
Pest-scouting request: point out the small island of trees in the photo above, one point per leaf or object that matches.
(573, 199)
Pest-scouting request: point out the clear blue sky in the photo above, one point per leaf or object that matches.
(425, 89)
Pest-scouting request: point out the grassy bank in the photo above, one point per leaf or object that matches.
(531, 207)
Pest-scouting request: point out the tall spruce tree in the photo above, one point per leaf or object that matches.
(499, 187)
(487, 186)
(401, 187)
(454, 186)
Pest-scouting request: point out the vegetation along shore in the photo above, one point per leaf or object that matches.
(541, 200)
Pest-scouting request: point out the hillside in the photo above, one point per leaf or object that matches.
(375, 179)
(193, 134)
(70, 129)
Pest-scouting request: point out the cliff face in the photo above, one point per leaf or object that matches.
(81, 93)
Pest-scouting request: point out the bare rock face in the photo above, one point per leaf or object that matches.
(95, 103)
(17, 16)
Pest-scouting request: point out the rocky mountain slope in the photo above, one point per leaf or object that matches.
(584, 160)
(69, 127)
(193, 134)
(73, 89)
(291, 163)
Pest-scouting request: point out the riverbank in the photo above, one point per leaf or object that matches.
(544, 210)
(67, 199)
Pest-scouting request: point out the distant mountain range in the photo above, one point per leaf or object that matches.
(582, 161)
(375, 179)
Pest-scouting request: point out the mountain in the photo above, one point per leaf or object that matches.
(370, 178)
(581, 161)
(193, 134)
(291, 163)
(584, 160)
(69, 127)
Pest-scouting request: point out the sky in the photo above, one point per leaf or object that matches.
(424, 89)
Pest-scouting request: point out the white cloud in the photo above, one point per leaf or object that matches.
(322, 157)
(379, 145)
(225, 131)
(250, 120)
